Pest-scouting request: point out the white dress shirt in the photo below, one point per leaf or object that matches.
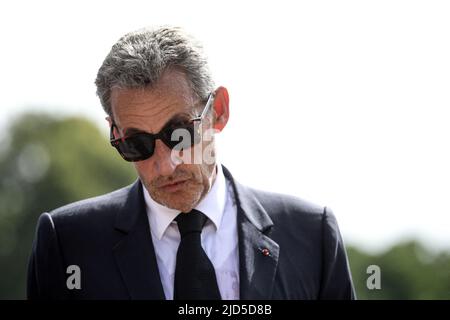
(219, 237)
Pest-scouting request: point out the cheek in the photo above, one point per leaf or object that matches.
(144, 170)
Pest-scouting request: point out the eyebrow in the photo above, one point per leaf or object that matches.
(130, 131)
(176, 117)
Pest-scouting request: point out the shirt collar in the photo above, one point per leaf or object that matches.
(212, 205)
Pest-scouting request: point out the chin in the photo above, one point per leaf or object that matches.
(184, 204)
(179, 207)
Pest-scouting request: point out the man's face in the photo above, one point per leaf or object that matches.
(169, 182)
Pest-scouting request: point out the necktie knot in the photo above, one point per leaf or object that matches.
(190, 222)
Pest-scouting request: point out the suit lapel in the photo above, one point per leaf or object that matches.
(258, 253)
(134, 253)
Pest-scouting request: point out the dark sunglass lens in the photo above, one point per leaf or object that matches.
(181, 137)
(137, 147)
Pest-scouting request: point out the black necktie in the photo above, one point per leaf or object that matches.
(195, 278)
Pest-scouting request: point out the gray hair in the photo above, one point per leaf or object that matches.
(139, 58)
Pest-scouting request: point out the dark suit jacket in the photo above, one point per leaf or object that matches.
(109, 238)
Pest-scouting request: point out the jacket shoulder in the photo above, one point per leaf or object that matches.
(95, 208)
(275, 202)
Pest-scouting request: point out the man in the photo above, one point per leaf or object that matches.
(186, 229)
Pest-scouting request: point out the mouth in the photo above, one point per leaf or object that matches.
(174, 186)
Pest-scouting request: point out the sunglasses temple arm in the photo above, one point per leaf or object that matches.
(206, 109)
(112, 139)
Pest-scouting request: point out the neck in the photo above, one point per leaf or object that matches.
(211, 180)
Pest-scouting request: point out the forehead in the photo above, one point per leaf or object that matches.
(150, 108)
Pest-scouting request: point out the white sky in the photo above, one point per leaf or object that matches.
(343, 103)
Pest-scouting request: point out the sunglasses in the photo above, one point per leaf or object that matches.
(141, 145)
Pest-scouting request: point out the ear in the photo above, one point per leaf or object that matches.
(110, 123)
(221, 108)
(108, 118)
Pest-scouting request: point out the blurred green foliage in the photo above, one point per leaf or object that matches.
(407, 271)
(45, 163)
(48, 162)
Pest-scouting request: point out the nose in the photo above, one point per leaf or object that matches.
(163, 163)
